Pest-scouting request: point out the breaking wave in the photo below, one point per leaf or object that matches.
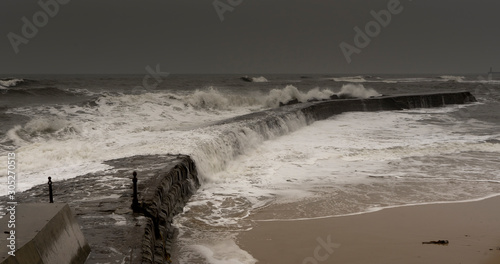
(290, 93)
(42, 128)
(260, 79)
(11, 82)
(58, 136)
(358, 91)
(447, 78)
(214, 99)
(353, 79)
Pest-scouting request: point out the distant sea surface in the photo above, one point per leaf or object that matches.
(64, 126)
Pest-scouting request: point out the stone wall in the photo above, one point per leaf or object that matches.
(160, 199)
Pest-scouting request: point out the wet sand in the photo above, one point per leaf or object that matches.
(393, 235)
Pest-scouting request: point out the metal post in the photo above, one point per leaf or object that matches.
(51, 198)
(135, 201)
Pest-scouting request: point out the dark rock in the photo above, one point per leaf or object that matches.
(438, 242)
(247, 79)
(346, 96)
(291, 102)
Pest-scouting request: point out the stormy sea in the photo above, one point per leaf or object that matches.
(65, 126)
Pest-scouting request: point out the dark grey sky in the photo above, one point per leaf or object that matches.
(258, 36)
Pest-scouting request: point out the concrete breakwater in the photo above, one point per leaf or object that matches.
(384, 103)
(162, 197)
(102, 201)
(167, 193)
(320, 110)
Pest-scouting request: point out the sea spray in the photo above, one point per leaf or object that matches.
(290, 92)
(357, 90)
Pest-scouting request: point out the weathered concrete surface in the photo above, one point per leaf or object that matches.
(44, 233)
(102, 204)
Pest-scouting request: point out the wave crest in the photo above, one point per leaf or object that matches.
(358, 91)
(213, 99)
(41, 127)
(353, 79)
(260, 79)
(447, 78)
(11, 82)
(290, 93)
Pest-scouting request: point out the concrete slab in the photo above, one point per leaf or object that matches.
(41, 233)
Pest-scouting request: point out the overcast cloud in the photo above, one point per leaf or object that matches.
(257, 36)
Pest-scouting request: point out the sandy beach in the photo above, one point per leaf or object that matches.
(392, 235)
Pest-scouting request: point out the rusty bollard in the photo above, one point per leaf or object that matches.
(135, 201)
(51, 198)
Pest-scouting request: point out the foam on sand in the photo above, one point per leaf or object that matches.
(388, 236)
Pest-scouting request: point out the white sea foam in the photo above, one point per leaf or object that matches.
(369, 79)
(259, 79)
(357, 90)
(291, 92)
(376, 209)
(67, 141)
(352, 79)
(350, 164)
(212, 98)
(222, 252)
(454, 78)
